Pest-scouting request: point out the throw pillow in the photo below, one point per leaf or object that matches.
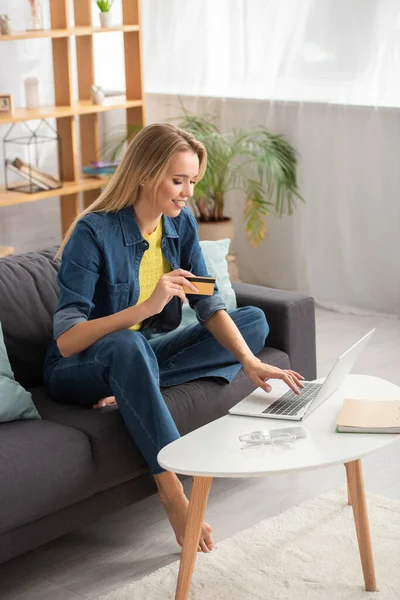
(15, 402)
(214, 253)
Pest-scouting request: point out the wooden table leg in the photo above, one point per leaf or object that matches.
(357, 494)
(197, 508)
(348, 484)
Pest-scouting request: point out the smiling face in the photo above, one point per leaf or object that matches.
(178, 184)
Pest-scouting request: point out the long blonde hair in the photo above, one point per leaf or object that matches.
(147, 158)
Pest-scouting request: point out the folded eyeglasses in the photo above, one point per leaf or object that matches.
(267, 438)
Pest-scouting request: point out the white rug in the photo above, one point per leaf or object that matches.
(309, 552)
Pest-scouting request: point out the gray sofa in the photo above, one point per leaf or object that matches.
(76, 464)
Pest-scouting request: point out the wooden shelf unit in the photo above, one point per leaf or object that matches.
(66, 107)
(8, 197)
(84, 107)
(60, 33)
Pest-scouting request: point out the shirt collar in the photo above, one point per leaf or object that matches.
(131, 231)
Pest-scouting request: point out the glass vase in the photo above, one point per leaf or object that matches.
(35, 15)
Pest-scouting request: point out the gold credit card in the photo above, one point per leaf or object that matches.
(205, 285)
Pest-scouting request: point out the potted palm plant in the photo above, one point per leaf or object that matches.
(260, 164)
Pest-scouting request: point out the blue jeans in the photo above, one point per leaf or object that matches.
(126, 365)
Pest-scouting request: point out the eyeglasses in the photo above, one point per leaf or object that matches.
(267, 437)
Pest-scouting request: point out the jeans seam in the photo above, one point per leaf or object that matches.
(77, 365)
(127, 404)
(172, 363)
(134, 413)
(179, 348)
(56, 369)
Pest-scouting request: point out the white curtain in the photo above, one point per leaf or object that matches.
(344, 51)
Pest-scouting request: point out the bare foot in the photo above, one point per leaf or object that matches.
(109, 401)
(176, 509)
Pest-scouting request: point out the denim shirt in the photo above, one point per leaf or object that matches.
(99, 272)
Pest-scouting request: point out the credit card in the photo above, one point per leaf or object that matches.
(205, 285)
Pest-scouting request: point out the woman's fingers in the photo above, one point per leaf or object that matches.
(185, 282)
(296, 381)
(177, 290)
(297, 377)
(181, 272)
(288, 379)
(264, 385)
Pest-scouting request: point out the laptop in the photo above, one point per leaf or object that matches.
(282, 403)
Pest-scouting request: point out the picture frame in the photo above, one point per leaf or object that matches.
(6, 104)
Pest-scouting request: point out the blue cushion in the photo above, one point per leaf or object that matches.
(15, 402)
(214, 253)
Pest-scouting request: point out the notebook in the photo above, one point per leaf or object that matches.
(369, 416)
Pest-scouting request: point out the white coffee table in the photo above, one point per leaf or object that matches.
(215, 451)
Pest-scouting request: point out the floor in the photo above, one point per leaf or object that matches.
(137, 540)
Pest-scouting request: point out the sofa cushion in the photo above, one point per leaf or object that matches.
(116, 458)
(43, 467)
(15, 402)
(214, 252)
(28, 299)
(192, 405)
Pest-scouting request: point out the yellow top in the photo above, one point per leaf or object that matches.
(153, 265)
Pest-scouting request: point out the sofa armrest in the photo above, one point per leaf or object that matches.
(291, 318)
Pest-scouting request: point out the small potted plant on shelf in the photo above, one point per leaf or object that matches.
(105, 12)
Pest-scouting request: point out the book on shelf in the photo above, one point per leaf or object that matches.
(369, 416)
(39, 178)
(11, 167)
(100, 164)
(90, 170)
(45, 178)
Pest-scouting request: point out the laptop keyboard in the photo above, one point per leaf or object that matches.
(290, 403)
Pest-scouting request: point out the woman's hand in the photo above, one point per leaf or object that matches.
(258, 372)
(170, 285)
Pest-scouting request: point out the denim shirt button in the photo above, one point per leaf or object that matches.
(145, 244)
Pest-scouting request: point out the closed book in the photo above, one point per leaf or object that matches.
(31, 178)
(101, 164)
(99, 170)
(369, 416)
(46, 179)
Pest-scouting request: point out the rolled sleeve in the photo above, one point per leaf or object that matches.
(77, 277)
(64, 319)
(206, 307)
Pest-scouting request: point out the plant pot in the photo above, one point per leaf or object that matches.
(216, 230)
(105, 19)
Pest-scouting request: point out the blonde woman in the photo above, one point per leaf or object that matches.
(124, 263)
